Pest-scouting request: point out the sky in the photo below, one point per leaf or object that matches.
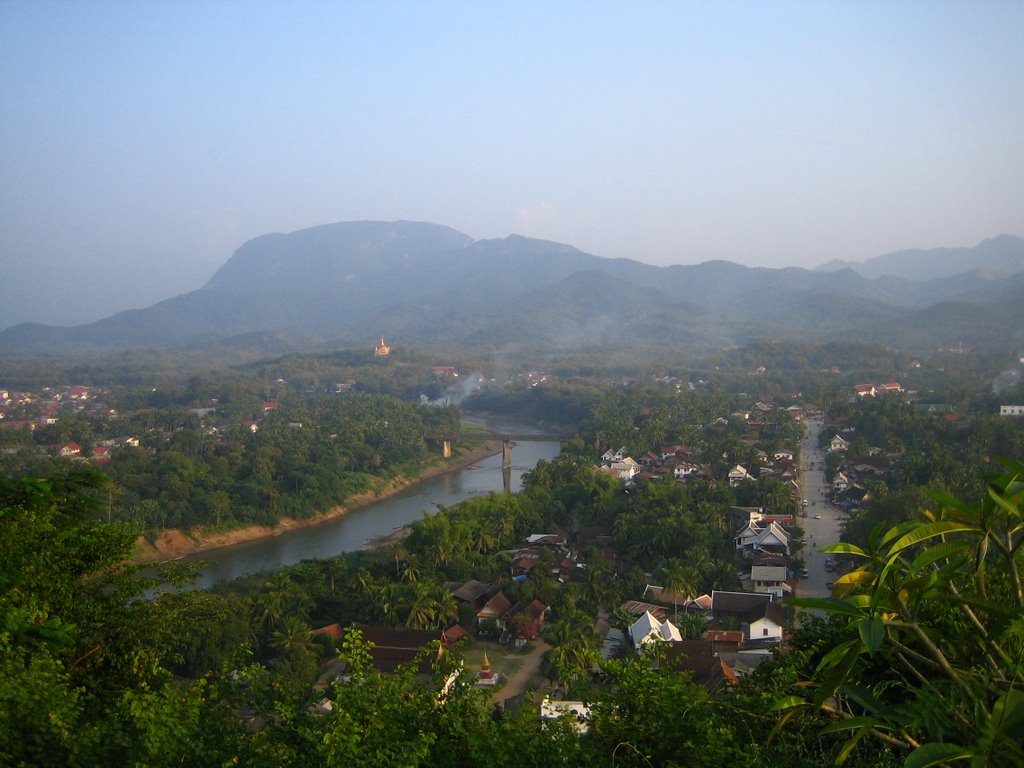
(142, 142)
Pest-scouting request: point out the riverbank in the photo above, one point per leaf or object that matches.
(173, 544)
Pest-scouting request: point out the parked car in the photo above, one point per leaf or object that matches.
(830, 584)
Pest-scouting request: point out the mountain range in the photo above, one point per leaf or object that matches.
(426, 285)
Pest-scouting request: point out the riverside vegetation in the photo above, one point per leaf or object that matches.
(918, 661)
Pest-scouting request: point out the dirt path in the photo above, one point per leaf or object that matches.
(518, 682)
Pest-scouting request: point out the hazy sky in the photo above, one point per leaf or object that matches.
(142, 142)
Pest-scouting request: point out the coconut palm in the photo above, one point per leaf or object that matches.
(292, 636)
(679, 578)
(421, 607)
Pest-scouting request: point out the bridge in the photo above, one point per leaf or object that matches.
(446, 441)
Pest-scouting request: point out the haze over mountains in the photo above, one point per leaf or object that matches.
(426, 285)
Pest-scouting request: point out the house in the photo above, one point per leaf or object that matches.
(702, 659)
(681, 470)
(625, 469)
(472, 592)
(639, 608)
(770, 579)
(747, 536)
(494, 610)
(724, 640)
(648, 629)
(837, 443)
(755, 539)
(576, 712)
(444, 370)
(761, 618)
(736, 605)
(840, 482)
(864, 390)
(392, 648)
(765, 623)
(738, 474)
(523, 622)
(524, 561)
(779, 455)
(610, 456)
(546, 539)
(1011, 410)
(890, 388)
(70, 450)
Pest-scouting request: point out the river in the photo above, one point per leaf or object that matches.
(359, 528)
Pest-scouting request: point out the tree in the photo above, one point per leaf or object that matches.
(679, 579)
(931, 658)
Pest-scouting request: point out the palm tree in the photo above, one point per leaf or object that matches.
(571, 661)
(722, 575)
(421, 608)
(678, 577)
(446, 609)
(387, 601)
(400, 553)
(483, 538)
(292, 636)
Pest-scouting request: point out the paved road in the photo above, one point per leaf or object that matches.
(818, 532)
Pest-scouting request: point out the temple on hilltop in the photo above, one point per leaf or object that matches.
(382, 349)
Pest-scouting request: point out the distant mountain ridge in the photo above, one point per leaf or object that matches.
(998, 256)
(428, 285)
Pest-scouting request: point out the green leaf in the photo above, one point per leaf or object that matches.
(948, 501)
(1007, 714)
(872, 633)
(943, 549)
(1003, 502)
(925, 531)
(839, 672)
(898, 530)
(788, 702)
(830, 658)
(850, 744)
(852, 723)
(860, 576)
(827, 604)
(865, 698)
(935, 753)
(844, 548)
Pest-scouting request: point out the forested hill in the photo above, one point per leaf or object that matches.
(426, 285)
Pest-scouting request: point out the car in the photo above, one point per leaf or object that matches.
(817, 515)
(805, 502)
(805, 574)
(830, 585)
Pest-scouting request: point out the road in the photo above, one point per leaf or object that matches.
(526, 675)
(821, 532)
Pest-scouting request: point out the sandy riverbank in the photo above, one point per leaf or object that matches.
(174, 543)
